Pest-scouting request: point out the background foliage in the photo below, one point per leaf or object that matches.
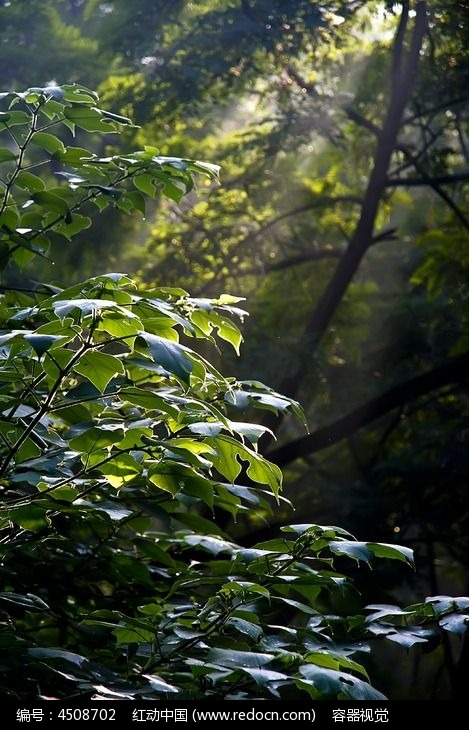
(296, 101)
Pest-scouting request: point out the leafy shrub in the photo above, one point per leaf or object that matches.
(120, 444)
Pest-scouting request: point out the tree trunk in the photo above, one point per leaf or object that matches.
(405, 65)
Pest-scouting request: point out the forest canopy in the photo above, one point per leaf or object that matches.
(339, 222)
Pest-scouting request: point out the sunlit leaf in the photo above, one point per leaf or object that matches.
(99, 368)
(170, 355)
(48, 142)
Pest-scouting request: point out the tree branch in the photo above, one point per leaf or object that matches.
(412, 182)
(389, 234)
(409, 162)
(414, 161)
(454, 370)
(318, 255)
(434, 110)
(436, 187)
(304, 258)
(255, 234)
(318, 203)
(362, 121)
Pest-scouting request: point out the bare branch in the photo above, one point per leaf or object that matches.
(454, 370)
(436, 187)
(435, 109)
(362, 121)
(412, 182)
(312, 205)
(315, 255)
(410, 162)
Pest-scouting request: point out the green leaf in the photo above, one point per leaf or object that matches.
(272, 402)
(28, 450)
(156, 553)
(75, 225)
(227, 330)
(210, 543)
(243, 659)
(170, 355)
(77, 93)
(9, 219)
(149, 400)
(64, 307)
(320, 530)
(263, 676)
(48, 142)
(6, 155)
(52, 109)
(94, 438)
(116, 118)
(351, 548)
(198, 524)
(245, 586)
(65, 656)
(209, 169)
(165, 476)
(28, 181)
(174, 477)
(225, 459)
(112, 192)
(119, 325)
(229, 452)
(28, 601)
(383, 610)
(145, 183)
(120, 470)
(328, 683)
(52, 202)
(278, 545)
(14, 118)
(440, 605)
(298, 605)
(99, 368)
(159, 685)
(328, 658)
(194, 447)
(55, 362)
(455, 622)
(133, 436)
(30, 517)
(393, 552)
(245, 627)
(22, 256)
(137, 200)
(75, 156)
(250, 554)
(206, 428)
(89, 118)
(409, 637)
(41, 343)
(252, 431)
